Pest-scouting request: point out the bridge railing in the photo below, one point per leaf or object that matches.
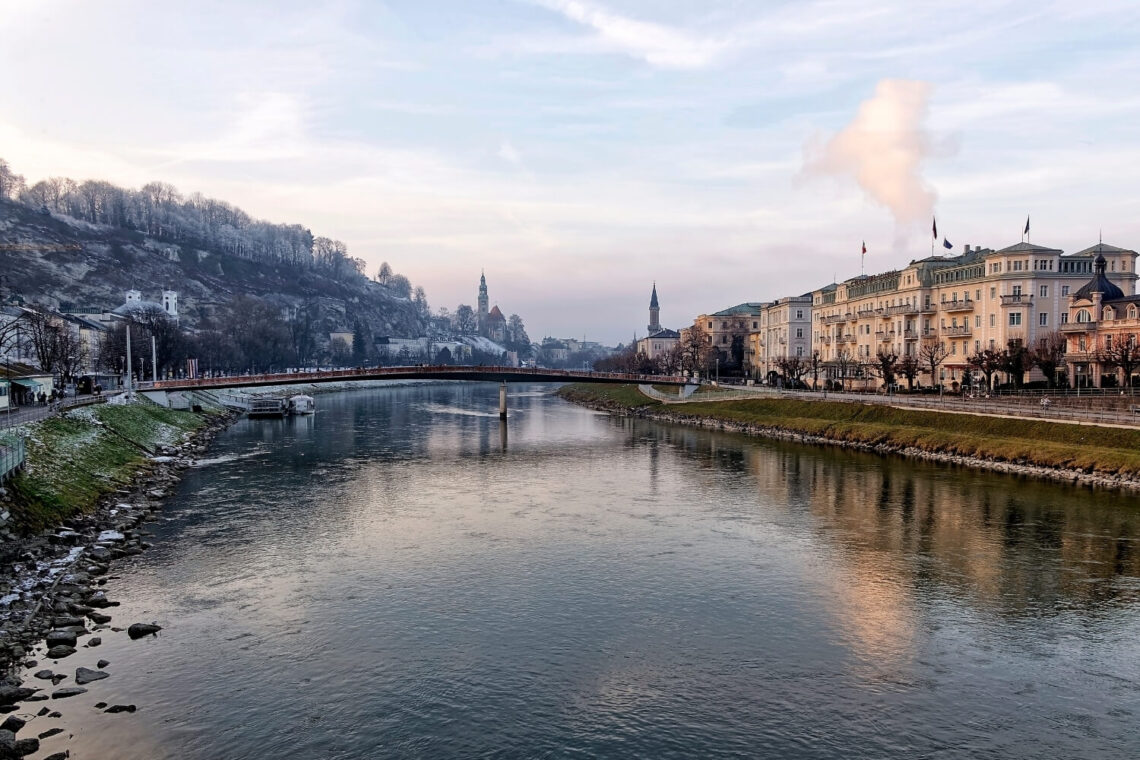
(381, 373)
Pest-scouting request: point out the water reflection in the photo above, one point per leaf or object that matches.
(389, 578)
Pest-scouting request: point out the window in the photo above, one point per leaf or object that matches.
(993, 320)
(1084, 316)
(1132, 312)
(724, 325)
(1064, 317)
(953, 348)
(1043, 319)
(1017, 290)
(799, 350)
(1015, 319)
(977, 320)
(993, 292)
(1108, 314)
(1017, 266)
(1043, 291)
(799, 313)
(978, 294)
(710, 325)
(1064, 290)
(799, 332)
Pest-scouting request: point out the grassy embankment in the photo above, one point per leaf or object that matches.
(1113, 451)
(76, 458)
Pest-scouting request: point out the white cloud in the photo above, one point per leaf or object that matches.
(656, 44)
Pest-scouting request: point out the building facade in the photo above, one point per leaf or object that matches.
(981, 299)
(1102, 332)
(785, 330)
(727, 331)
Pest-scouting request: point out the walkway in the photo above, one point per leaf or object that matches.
(1021, 407)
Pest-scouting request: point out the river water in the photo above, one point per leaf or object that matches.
(397, 576)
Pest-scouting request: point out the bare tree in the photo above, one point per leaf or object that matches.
(44, 334)
(884, 366)
(793, 368)
(696, 350)
(815, 365)
(931, 353)
(909, 368)
(844, 364)
(1050, 355)
(1120, 354)
(465, 321)
(987, 361)
(1015, 362)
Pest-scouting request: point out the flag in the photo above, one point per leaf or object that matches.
(192, 368)
(946, 243)
(935, 230)
(864, 247)
(1026, 225)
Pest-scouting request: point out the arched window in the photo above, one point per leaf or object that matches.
(1132, 312)
(1084, 316)
(1108, 315)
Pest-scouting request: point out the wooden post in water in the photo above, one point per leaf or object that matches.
(503, 400)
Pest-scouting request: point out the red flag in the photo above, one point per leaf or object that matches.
(864, 247)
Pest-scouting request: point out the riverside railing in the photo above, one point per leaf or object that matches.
(13, 452)
(1062, 409)
(24, 415)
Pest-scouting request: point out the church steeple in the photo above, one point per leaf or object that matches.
(654, 312)
(484, 302)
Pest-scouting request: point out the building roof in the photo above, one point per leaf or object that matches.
(495, 313)
(1099, 284)
(1029, 248)
(1101, 248)
(663, 333)
(748, 307)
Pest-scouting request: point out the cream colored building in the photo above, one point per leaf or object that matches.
(784, 330)
(1103, 327)
(979, 299)
(724, 327)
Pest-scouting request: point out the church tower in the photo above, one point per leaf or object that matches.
(482, 313)
(654, 313)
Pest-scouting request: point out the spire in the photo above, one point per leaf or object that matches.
(653, 298)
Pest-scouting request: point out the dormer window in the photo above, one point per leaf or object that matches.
(1084, 316)
(1108, 314)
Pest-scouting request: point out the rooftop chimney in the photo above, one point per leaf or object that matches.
(966, 248)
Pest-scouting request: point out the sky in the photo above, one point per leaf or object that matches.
(579, 151)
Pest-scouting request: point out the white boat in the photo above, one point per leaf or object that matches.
(302, 404)
(267, 406)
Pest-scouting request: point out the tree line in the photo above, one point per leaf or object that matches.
(160, 211)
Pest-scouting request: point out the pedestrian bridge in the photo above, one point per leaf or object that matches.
(501, 375)
(418, 372)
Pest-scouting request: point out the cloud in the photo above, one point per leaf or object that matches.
(883, 149)
(508, 153)
(656, 44)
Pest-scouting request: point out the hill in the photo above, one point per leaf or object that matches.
(56, 259)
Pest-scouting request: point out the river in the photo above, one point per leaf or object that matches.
(398, 576)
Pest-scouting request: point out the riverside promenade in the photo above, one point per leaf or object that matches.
(1099, 409)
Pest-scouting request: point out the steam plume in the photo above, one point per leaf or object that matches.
(883, 149)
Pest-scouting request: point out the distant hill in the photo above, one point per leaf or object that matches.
(207, 251)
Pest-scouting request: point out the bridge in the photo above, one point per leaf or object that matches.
(501, 375)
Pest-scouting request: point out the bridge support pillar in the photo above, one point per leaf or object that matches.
(503, 400)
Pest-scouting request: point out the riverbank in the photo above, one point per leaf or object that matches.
(1101, 456)
(92, 477)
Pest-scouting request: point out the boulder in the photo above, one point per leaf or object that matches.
(138, 630)
(99, 618)
(84, 676)
(11, 694)
(57, 638)
(120, 709)
(70, 691)
(13, 723)
(60, 651)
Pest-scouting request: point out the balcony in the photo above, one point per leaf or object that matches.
(887, 336)
(865, 313)
(910, 334)
(929, 308)
(902, 309)
(826, 340)
(1077, 327)
(851, 316)
(964, 305)
(956, 331)
(849, 338)
(1018, 299)
(832, 319)
(881, 335)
